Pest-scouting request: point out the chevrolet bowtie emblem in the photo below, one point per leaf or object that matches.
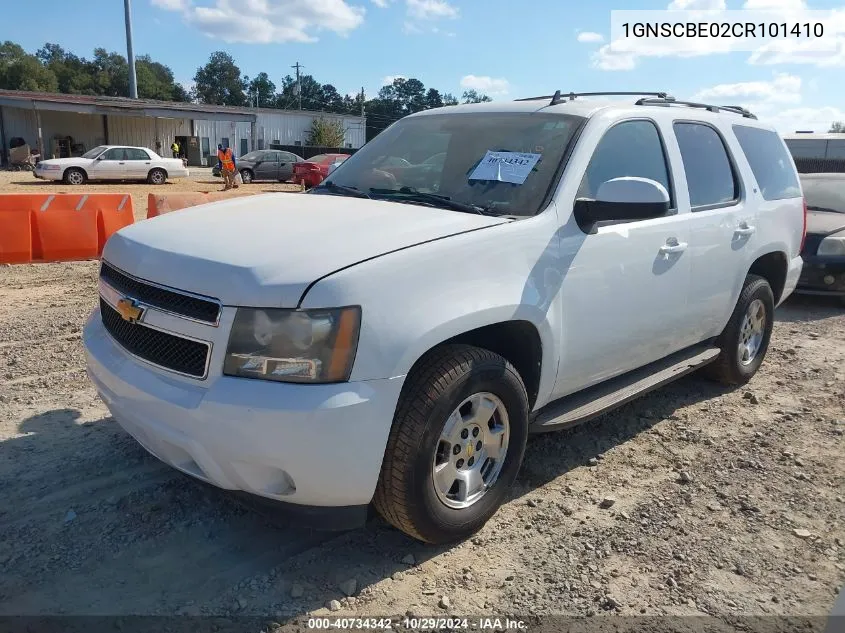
(129, 310)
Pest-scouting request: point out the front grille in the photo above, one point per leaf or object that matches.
(170, 300)
(165, 350)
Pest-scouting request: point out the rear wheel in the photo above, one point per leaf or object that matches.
(456, 444)
(74, 176)
(157, 177)
(745, 340)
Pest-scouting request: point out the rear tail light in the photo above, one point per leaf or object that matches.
(803, 228)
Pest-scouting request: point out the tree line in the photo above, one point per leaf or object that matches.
(218, 82)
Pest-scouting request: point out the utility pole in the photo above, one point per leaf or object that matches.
(362, 102)
(133, 85)
(298, 84)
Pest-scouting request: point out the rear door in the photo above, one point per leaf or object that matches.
(722, 220)
(286, 163)
(138, 162)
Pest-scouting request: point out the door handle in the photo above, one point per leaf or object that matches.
(121, 163)
(673, 246)
(745, 230)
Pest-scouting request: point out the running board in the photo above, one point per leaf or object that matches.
(594, 401)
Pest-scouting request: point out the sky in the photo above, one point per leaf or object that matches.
(504, 48)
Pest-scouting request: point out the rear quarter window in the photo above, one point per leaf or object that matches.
(771, 163)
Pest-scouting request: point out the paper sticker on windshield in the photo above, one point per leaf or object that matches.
(512, 167)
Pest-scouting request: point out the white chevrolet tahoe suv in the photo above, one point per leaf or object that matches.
(472, 275)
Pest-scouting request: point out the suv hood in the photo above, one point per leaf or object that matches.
(265, 250)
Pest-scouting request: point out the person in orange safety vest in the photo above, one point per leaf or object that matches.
(227, 167)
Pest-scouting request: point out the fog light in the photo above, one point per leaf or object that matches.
(829, 279)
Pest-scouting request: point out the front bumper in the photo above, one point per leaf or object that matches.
(318, 447)
(822, 276)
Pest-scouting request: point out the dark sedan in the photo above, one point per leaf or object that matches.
(265, 164)
(824, 248)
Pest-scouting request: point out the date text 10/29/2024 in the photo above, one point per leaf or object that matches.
(418, 624)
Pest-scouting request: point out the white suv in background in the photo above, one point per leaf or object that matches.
(392, 337)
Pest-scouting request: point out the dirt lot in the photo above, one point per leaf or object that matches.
(725, 502)
(200, 180)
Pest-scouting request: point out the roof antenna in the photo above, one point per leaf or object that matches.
(556, 98)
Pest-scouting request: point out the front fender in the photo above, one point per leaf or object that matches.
(414, 299)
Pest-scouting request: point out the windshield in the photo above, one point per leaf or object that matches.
(500, 162)
(827, 194)
(93, 153)
(253, 156)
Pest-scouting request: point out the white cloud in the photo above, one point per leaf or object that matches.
(431, 9)
(381, 4)
(696, 5)
(778, 102)
(775, 4)
(590, 37)
(266, 21)
(485, 84)
(784, 88)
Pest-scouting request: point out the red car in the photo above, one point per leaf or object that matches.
(314, 170)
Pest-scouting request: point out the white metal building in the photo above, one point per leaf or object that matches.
(41, 119)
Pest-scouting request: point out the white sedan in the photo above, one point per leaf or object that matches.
(112, 162)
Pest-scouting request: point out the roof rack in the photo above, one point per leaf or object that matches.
(557, 97)
(692, 104)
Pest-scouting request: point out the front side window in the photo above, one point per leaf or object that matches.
(93, 153)
(503, 163)
(116, 153)
(770, 162)
(710, 175)
(631, 148)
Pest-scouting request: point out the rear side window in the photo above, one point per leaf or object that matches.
(710, 175)
(772, 165)
(630, 148)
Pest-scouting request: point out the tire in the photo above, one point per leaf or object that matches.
(74, 176)
(730, 368)
(446, 378)
(157, 177)
(247, 176)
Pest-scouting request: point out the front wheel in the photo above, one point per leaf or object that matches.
(74, 176)
(745, 339)
(456, 444)
(246, 176)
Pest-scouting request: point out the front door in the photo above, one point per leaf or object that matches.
(624, 290)
(110, 165)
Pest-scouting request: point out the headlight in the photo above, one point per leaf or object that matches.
(311, 346)
(832, 246)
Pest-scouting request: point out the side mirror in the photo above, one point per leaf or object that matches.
(623, 199)
(101, 157)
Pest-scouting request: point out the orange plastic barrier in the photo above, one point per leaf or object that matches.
(161, 203)
(59, 227)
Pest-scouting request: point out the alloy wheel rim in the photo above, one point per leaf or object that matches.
(751, 332)
(471, 451)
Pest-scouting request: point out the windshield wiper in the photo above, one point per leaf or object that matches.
(352, 191)
(811, 207)
(433, 198)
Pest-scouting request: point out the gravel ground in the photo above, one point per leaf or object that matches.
(692, 500)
